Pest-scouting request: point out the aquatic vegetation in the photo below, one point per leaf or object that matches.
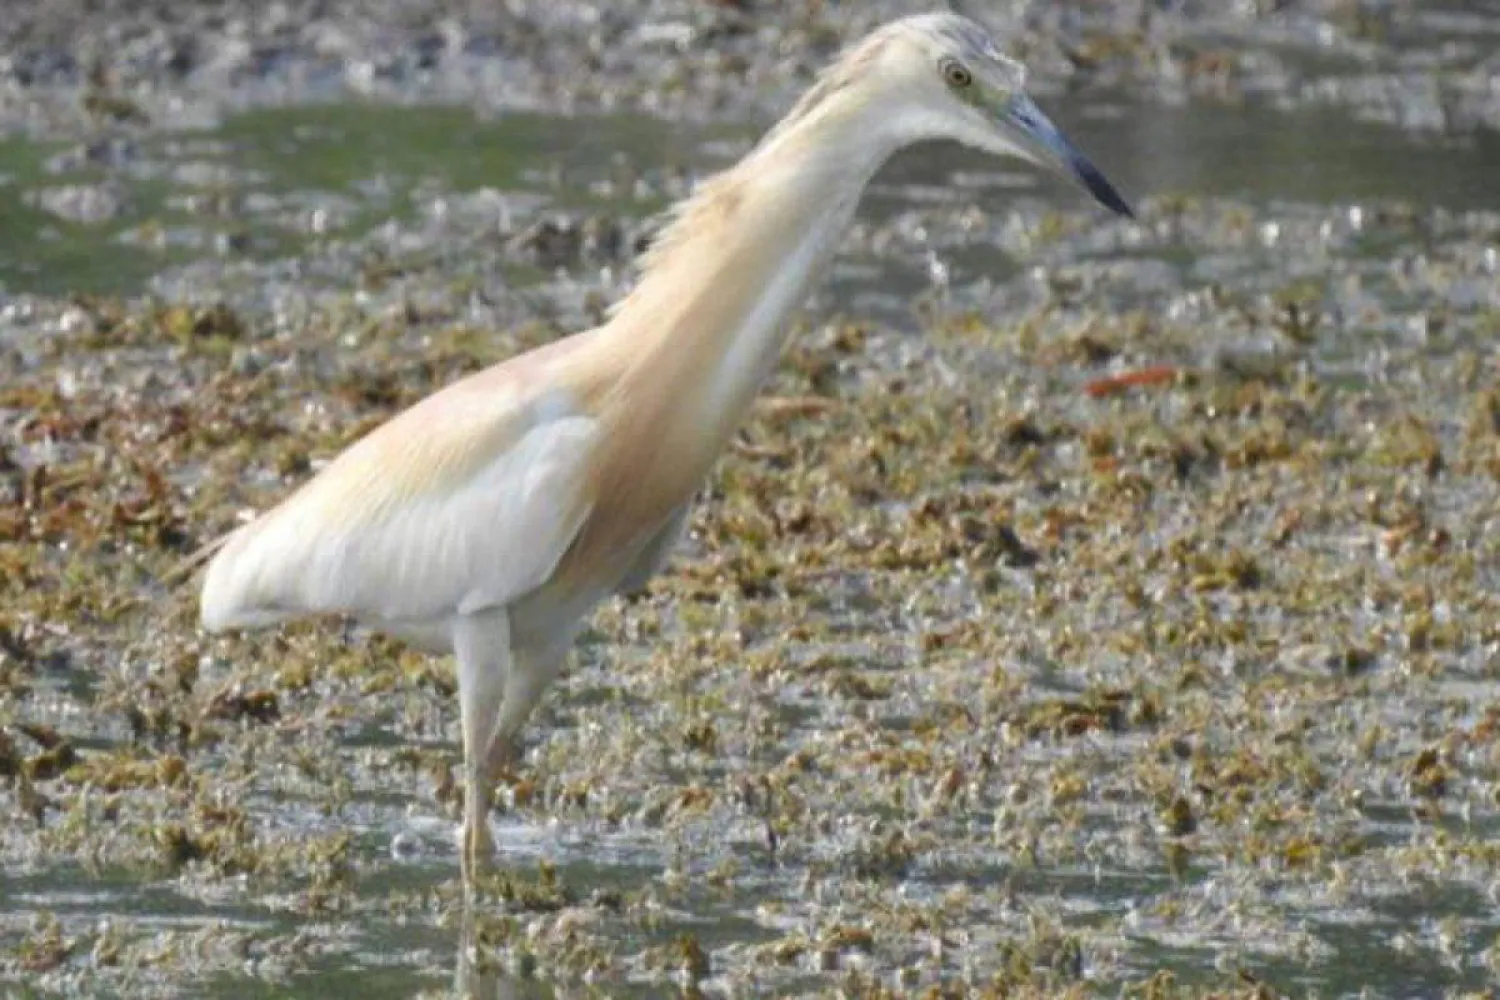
(1140, 636)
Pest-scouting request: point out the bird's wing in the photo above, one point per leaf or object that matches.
(468, 500)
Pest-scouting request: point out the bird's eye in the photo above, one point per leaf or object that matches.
(956, 74)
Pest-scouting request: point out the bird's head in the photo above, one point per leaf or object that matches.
(941, 76)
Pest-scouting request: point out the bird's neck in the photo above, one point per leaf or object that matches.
(711, 313)
(687, 350)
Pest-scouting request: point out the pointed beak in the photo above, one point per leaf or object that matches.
(1047, 146)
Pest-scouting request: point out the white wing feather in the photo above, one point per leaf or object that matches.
(387, 532)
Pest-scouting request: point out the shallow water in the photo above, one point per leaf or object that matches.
(295, 183)
(273, 182)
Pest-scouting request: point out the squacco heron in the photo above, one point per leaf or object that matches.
(490, 518)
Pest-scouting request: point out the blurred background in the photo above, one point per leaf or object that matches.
(1094, 606)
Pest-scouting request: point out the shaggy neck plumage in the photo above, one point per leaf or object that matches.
(712, 308)
(696, 339)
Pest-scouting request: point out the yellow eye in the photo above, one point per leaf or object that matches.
(956, 74)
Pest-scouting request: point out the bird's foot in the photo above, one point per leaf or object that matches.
(478, 843)
(478, 850)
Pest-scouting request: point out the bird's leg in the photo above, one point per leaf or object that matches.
(482, 646)
(502, 757)
(529, 674)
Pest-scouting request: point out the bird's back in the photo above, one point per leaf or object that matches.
(465, 500)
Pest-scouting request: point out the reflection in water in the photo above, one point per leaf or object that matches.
(477, 979)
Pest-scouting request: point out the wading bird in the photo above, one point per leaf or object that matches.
(490, 518)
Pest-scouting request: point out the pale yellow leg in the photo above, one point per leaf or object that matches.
(528, 675)
(481, 644)
(502, 758)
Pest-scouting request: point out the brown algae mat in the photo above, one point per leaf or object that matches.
(989, 663)
(1112, 610)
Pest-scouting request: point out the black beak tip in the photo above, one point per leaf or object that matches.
(1102, 189)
